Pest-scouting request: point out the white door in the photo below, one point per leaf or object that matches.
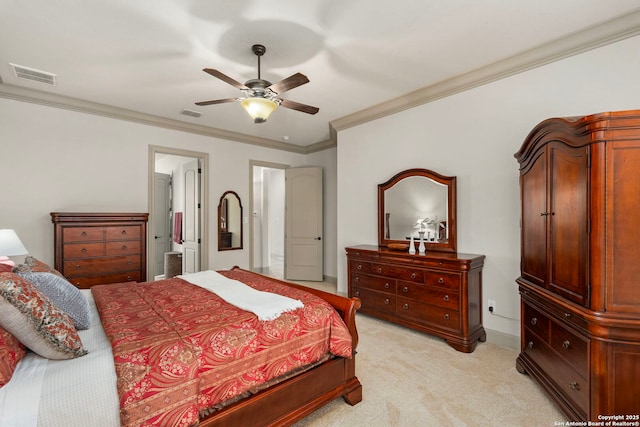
(161, 220)
(303, 224)
(191, 218)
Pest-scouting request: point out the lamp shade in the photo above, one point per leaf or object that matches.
(259, 108)
(10, 243)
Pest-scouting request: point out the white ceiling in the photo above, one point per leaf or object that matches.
(144, 58)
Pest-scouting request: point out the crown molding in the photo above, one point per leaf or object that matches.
(596, 36)
(73, 104)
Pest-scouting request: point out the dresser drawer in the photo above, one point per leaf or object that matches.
(101, 266)
(573, 348)
(83, 250)
(87, 282)
(123, 248)
(572, 385)
(381, 284)
(359, 267)
(431, 295)
(446, 280)
(398, 272)
(376, 301)
(83, 234)
(429, 314)
(123, 233)
(536, 322)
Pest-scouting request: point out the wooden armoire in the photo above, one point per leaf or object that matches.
(580, 262)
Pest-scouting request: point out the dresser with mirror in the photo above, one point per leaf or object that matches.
(431, 288)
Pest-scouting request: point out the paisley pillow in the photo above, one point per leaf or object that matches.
(34, 265)
(11, 352)
(31, 317)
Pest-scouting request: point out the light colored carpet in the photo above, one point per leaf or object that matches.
(412, 379)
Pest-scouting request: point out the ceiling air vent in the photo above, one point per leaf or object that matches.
(191, 113)
(33, 74)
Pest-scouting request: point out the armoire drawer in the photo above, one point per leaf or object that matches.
(572, 384)
(440, 297)
(376, 301)
(573, 348)
(537, 322)
(374, 283)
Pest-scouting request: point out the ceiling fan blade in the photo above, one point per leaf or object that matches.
(289, 83)
(217, 101)
(298, 106)
(224, 78)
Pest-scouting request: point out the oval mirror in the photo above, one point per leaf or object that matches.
(418, 202)
(229, 222)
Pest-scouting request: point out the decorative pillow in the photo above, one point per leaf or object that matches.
(34, 265)
(32, 318)
(64, 295)
(11, 352)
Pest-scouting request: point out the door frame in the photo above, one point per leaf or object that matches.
(253, 163)
(204, 201)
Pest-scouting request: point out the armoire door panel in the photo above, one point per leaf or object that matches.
(534, 223)
(567, 215)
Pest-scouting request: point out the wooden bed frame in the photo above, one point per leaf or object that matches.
(289, 401)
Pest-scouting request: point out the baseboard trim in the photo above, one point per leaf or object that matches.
(503, 339)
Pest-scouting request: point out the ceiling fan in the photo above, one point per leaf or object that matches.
(261, 96)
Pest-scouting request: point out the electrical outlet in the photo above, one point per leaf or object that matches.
(492, 306)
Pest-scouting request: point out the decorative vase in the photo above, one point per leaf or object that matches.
(421, 248)
(412, 245)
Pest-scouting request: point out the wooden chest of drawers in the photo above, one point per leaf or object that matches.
(99, 248)
(437, 293)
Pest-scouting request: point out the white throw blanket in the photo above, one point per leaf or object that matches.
(265, 305)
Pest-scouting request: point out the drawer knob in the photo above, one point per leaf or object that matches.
(441, 280)
(124, 232)
(357, 293)
(534, 321)
(129, 278)
(129, 261)
(84, 250)
(446, 316)
(567, 315)
(124, 247)
(405, 289)
(413, 275)
(78, 266)
(386, 285)
(574, 386)
(379, 269)
(359, 266)
(566, 345)
(406, 306)
(83, 234)
(446, 298)
(387, 301)
(357, 278)
(530, 345)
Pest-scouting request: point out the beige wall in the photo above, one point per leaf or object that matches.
(473, 135)
(58, 160)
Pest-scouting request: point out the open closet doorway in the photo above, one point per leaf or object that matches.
(267, 227)
(178, 220)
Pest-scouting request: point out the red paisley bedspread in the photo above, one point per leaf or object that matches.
(180, 350)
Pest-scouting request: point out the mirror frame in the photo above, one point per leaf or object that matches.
(450, 181)
(220, 207)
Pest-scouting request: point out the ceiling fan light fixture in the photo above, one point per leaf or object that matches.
(259, 108)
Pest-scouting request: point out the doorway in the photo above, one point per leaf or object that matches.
(180, 222)
(267, 228)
